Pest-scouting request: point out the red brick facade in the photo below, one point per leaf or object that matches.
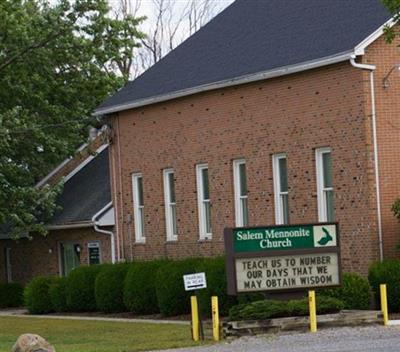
(385, 56)
(41, 255)
(329, 106)
(295, 114)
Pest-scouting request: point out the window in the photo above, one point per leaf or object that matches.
(204, 205)
(240, 188)
(279, 165)
(138, 207)
(69, 257)
(324, 185)
(170, 205)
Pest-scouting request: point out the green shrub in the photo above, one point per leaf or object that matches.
(171, 295)
(109, 287)
(11, 295)
(325, 305)
(216, 286)
(36, 295)
(386, 272)
(259, 310)
(244, 298)
(140, 294)
(58, 294)
(355, 292)
(268, 309)
(80, 288)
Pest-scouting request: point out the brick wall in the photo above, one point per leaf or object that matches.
(385, 56)
(293, 114)
(40, 256)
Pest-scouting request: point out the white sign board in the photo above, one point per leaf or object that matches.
(287, 272)
(195, 281)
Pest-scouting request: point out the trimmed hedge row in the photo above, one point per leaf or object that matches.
(11, 295)
(157, 287)
(37, 297)
(108, 288)
(386, 272)
(355, 292)
(139, 292)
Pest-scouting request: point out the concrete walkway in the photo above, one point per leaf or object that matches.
(23, 313)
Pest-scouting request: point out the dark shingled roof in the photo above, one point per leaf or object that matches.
(85, 193)
(252, 36)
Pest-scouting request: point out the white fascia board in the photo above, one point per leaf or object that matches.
(44, 180)
(360, 48)
(85, 162)
(281, 71)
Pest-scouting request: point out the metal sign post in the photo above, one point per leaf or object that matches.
(195, 282)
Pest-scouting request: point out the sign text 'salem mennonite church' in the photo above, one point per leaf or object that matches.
(282, 257)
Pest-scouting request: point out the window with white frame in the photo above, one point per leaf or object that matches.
(281, 192)
(240, 189)
(170, 205)
(204, 204)
(324, 184)
(138, 207)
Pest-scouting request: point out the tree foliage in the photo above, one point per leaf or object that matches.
(391, 32)
(57, 63)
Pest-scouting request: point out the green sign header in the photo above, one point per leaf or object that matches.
(284, 238)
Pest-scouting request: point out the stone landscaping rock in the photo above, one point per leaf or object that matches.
(32, 343)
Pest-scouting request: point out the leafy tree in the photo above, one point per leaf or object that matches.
(391, 32)
(57, 63)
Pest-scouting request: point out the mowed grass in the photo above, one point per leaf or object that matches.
(96, 336)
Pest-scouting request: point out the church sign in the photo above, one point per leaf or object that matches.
(282, 258)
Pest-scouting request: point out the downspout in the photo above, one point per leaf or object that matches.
(109, 233)
(371, 69)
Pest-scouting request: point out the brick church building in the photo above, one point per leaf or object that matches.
(275, 112)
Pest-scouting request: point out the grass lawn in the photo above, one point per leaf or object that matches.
(91, 336)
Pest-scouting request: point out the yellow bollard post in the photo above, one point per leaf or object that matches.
(195, 318)
(313, 311)
(215, 317)
(384, 306)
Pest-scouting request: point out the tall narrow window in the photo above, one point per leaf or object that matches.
(170, 205)
(324, 185)
(279, 164)
(138, 207)
(240, 188)
(204, 204)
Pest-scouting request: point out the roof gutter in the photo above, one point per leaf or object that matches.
(371, 69)
(95, 223)
(278, 72)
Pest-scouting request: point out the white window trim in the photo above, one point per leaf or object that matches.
(167, 201)
(321, 199)
(139, 236)
(279, 218)
(236, 185)
(203, 235)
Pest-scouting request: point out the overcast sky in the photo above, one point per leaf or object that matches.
(148, 9)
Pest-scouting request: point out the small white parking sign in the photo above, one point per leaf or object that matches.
(195, 281)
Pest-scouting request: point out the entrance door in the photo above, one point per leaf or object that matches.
(69, 256)
(7, 255)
